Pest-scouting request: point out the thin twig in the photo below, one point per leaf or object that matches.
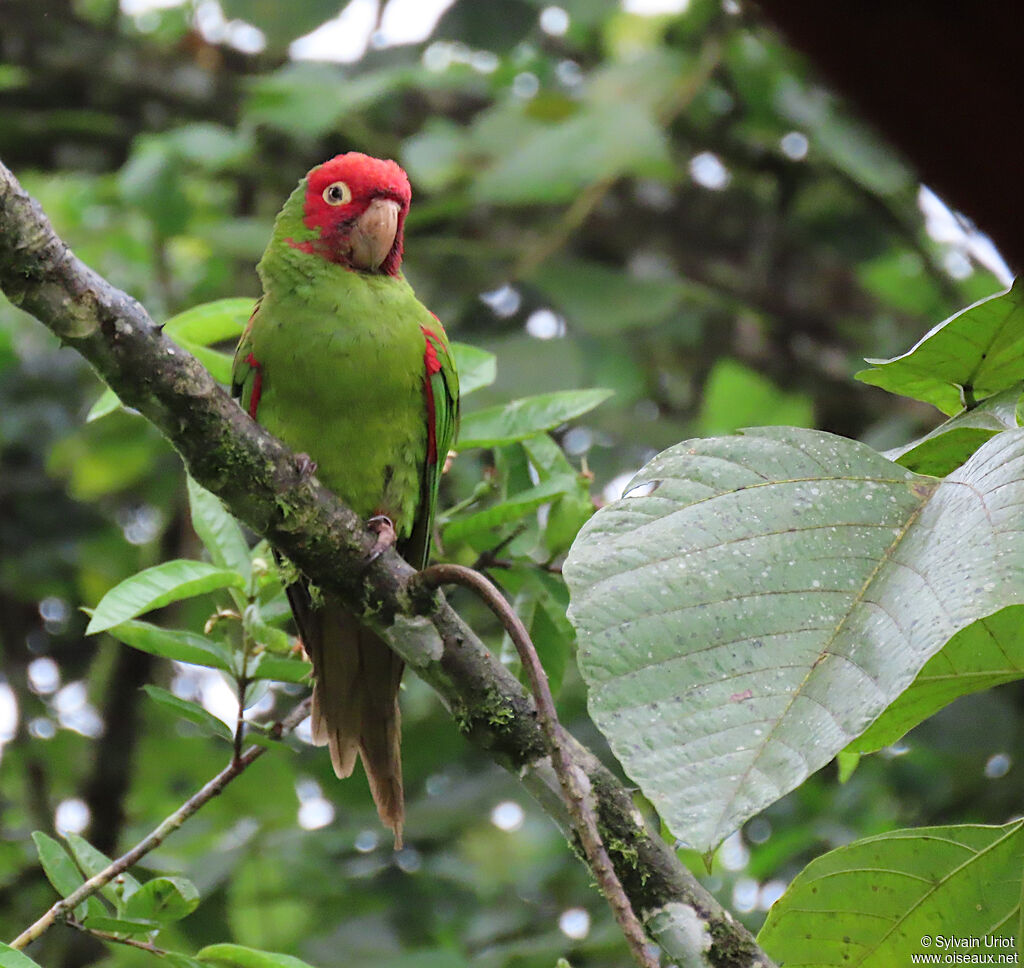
(116, 938)
(583, 818)
(490, 559)
(156, 837)
(243, 684)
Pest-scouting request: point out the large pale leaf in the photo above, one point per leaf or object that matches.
(158, 586)
(968, 357)
(988, 653)
(877, 902)
(759, 599)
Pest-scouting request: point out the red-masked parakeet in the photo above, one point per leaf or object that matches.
(344, 364)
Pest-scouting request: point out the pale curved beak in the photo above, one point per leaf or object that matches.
(373, 233)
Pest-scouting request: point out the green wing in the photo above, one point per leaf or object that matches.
(441, 392)
(246, 377)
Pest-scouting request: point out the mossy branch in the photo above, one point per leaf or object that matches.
(258, 479)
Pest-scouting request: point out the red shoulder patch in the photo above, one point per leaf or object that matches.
(432, 365)
(257, 384)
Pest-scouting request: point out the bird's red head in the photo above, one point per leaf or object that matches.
(358, 205)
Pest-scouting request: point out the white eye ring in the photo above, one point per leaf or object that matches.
(337, 193)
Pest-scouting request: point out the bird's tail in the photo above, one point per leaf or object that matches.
(355, 705)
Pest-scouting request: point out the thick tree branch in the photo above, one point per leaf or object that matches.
(257, 478)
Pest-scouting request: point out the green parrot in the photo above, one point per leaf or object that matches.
(343, 363)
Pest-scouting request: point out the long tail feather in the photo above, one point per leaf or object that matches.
(355, 704)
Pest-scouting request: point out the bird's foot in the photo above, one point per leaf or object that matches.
(382, 526)
(305, 465)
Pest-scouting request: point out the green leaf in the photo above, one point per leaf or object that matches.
(512, 509)
(59, 868)
(274, 639)
(163, 899)
(214, 146)
(553, 637)
(540, 601)
(308, 99)
(847, 763)
(121, 925)
(279, 668)
(569, 512)
(966, 358)
(158, 586)
(279, 23)
(236, 956)
(546, 456)
(219, 531)
(191, 711)
(736, 397)
(567, 515)
(605, 301)
(178, 644)
(477, 368)
(108, 402)
(151, 179)
(753, 602)
(601, 141)
(524, 418)
(177, 960)
(12, 958)
(217, 363)
(212, 322)
(985, 654)
(877, 902)
(92, 861)
(952, 442)
(473, 23)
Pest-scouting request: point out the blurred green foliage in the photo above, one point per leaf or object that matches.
(669, 207)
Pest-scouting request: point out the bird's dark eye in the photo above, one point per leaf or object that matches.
(337, 193)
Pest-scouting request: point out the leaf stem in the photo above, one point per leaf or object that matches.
(580, 810)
